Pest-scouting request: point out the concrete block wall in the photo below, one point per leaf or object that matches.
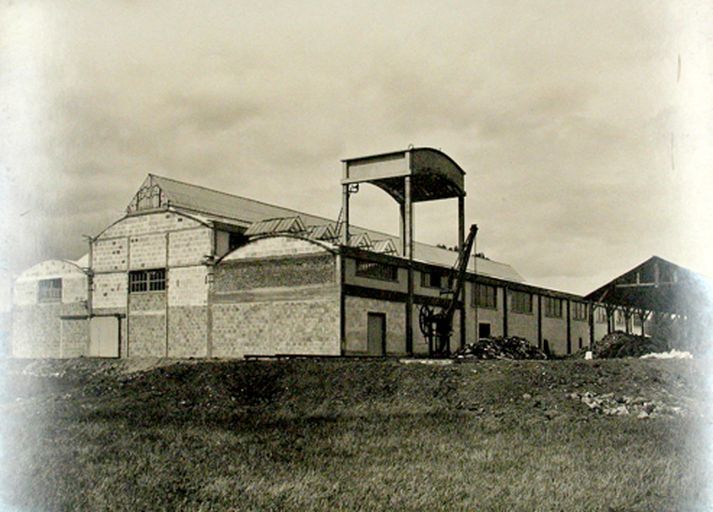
(284, 303)
(149, 223)
(523, 325)
(74, 337)
(37, 330)
(187, 331)
(494, 317)
(147, 251)
(189, 247)
(147, 324)
(356, 310)
(554, 330)
(110, 255)
(110, 291)
(276, 327)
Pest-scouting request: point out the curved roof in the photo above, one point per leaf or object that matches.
(434, 175)
(50, 269)
(281, 244)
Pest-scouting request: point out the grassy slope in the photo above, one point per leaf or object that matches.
(346, 435)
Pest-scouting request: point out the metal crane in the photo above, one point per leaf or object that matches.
(437, 326)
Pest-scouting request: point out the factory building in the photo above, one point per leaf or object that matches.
(190, 272)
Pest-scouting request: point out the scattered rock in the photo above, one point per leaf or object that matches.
(499, 347)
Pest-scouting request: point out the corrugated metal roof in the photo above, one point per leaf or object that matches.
(321, 232)
(244, 211)
(384, 246)
(361, 240)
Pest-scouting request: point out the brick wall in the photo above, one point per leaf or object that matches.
(274, 272)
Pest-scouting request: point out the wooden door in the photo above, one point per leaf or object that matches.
(376, 334)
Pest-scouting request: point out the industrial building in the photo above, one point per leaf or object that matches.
(193, 272)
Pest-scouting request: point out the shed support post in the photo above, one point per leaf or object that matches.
(345, 212)
(461, 242)
(408, 253)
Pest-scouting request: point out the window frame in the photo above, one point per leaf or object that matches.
(485, 304)
(579, 311)
(390, 274)
(147, 280)
(553, 307)
(515, 303)
(55, 292)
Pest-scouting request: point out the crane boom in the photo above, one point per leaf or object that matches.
(438, 326)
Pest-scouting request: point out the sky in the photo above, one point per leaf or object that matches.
(584, 127)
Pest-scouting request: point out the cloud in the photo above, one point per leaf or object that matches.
(560, 112)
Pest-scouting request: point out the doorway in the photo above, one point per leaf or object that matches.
(483, 330)
(104, 335)
(376, 334)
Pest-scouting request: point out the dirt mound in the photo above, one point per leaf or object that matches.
(620, 344)
(499, 347)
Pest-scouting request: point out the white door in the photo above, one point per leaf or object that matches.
(104, 336)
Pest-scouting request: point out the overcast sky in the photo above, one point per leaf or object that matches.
(584, 127)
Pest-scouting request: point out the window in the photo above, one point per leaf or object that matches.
(432, 279)
(521, 302)
(147, 280)
(553, 307)
(619, 317)
(49, 290)
(374, 270)
(601, 315)
(637, 321)
(486, 296)
(579, 311)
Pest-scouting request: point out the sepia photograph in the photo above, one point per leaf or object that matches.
(320, 255)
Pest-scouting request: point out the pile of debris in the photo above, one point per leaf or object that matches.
(500, 347)
(612, 405)
(620, 344)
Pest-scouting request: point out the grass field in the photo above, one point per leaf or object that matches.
(331, 435)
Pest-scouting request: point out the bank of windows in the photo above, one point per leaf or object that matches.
(375, 270)
(521, 302)
(433, 279)
(485, 296)
(152, 280)
(553, 307)
(601, 315)
(579, 311)
(49, 290)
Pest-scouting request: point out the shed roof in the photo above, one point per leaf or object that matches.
(657, 285)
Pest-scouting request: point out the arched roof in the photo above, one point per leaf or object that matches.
(278, 245)
(434, 175)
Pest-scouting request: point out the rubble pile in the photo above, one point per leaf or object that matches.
(612, 405)
(500, 347)
(620, 344)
